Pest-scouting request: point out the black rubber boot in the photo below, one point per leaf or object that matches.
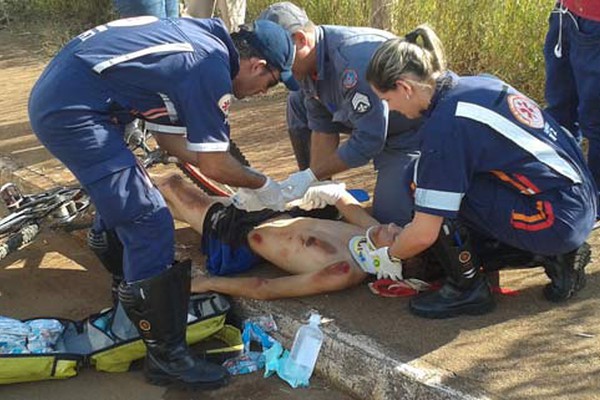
(466, 289)
(497, 255)
(566, 273)
(158, 307)
(109, 250)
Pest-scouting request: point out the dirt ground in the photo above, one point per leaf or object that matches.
(58, 276)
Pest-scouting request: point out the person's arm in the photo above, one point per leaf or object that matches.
(417, 236)
(353, 212)
(324, 160)
(220, 166)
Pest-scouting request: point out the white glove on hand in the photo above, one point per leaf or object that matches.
(322, 194)
(385, 266)
(267, 196)
(296, 185)
(246, 199)
(271, 196)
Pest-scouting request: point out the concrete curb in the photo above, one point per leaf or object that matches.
(360, 366)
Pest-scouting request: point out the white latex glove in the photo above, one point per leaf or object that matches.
(267, 196)
(322, 194)
(246, 199)
(385, 266)
(271, 195)
(296, 185)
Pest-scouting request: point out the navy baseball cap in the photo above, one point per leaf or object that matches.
(276, 46)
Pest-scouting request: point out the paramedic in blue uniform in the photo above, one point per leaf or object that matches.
(179, 74)
(335, 98)
(498, 179)
(572, 59)
(157, 8)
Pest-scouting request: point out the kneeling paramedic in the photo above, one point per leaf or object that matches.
(498, 183)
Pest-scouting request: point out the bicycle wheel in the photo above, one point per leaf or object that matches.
(209, 186)
(14, 241)
(57, 207)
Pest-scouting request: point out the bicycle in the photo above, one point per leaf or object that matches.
(60, 207)
(142, 144)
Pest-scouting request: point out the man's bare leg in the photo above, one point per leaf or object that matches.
(186, 202)
(332, 278)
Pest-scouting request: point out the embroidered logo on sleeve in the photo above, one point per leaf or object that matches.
(360, 103)
(225, 104)
(525, 111)
(349, 78)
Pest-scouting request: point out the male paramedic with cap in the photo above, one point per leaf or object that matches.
(181, 73)
(335, 98)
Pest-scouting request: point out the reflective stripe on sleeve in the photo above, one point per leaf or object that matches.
(206, 147)
(529, 143)
(170, 129)
(173, 117)
(438, 200)
(161, 48)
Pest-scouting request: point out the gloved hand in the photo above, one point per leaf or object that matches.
(296, 185)
(271, 195)
(322, 194)
(267, 196)
(385, 266)
(246, 199)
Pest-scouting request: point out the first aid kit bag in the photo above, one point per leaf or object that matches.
(55, 348)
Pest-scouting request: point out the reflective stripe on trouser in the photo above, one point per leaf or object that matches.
(549, 224)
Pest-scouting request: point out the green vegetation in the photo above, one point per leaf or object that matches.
(500, 37)
(53, 22)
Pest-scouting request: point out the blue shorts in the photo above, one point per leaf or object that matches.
(224, 238)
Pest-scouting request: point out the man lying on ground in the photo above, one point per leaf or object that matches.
(315, 251)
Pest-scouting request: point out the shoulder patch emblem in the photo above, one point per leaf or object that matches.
(525, 111)
(349, 78)
(225, 103)
(360, 103)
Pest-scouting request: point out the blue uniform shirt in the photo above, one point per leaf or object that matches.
(341, 100)
(479, 129)
(176, 72)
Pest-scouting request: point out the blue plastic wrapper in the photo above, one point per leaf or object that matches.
(13, 336)
(246, 363)
(265, 322)
(43, 335)
(273, 356)
(253, 332)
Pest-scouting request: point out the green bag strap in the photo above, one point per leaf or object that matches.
(231, 336)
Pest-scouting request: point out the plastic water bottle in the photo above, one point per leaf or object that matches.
(305, 351)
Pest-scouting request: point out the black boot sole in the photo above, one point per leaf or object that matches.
(582, 259)
(178, 384)
(478, 309)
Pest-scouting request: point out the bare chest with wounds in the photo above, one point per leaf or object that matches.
(303, 243)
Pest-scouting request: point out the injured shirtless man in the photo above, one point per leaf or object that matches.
(316, 252)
